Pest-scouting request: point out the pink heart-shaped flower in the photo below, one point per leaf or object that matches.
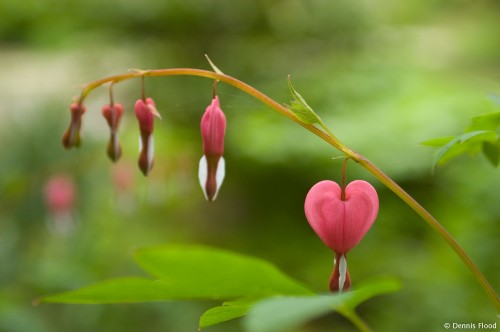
(339, 223)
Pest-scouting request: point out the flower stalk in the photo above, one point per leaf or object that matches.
(323, 132)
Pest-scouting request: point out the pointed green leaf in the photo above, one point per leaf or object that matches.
(490, 121)
(478, 135)
(229, 310)
(438, 159)
(289, 312)
(437, 142)
(123, 290)
(470, 142)
(492, 152)
(370, 289)
(189, 272)
(300, 108)
(202, 272)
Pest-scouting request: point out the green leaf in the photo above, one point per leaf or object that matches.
(189, 272)
(492, 152)
(229, 310)
(202, 272)
(123, 290)
(490, 121)
(196, 272)
(437, 142)
(300, 108)
(470, 142)
(288, 312)
(479, 135)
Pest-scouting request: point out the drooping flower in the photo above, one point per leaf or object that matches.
(212, 165)
(341, 220)
(145, 111)
(113, 113)
(71, 136)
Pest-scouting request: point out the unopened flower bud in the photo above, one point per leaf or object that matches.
(113, 114)
(212, 166)
(72, 135)
(145, 111)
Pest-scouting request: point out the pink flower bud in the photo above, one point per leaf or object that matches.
(341, 223)
(72, 135)
(212, 165)
(145, 112)
(113, 114)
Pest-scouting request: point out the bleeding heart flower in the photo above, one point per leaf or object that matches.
(341, 219)
(145, 111)
(113, 114)
(212, 165)
(72, 135)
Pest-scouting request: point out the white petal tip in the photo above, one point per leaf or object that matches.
(342, 272)
(203, 176)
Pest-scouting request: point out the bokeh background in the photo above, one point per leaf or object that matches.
(384, 74)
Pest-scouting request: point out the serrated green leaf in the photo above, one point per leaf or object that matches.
(490, 122)
(288, 312)
(122, 290)
(437, 142)
(300, 108)
(492, 152)
(213, 273)
(229, 310)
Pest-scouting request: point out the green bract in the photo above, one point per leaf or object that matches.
(300, 108)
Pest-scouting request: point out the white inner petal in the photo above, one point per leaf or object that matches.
(151, 150)
(219, 175)
(342, 272)
(202, 175)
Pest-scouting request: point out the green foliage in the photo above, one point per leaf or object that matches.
(480, 136)
(284, 313)
(205, 273)
(185, 272)
(229, 310)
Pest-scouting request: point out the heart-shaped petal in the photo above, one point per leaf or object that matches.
(341, 224)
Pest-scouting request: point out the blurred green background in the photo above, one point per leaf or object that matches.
(385, 75)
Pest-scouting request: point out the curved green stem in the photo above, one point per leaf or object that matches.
(328, 137)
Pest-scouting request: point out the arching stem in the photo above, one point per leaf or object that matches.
(326, 135)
